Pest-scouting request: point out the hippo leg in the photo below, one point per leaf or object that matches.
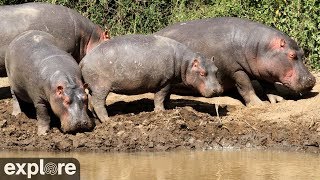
(43, 118)
(160, 97)
(90, 106)
(245, 88)
(98, 102)
(15, 105)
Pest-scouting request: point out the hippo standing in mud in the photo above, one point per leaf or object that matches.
(246, 50)
(42, 74)
(75, 34)
(136, 64)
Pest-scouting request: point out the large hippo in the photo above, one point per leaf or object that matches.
(135, 64)
(246, 50)
(42, 74)
(75, 34)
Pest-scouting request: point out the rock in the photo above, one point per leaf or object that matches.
(151, 145)
(3, 123)
(191, 140)
(120, 133)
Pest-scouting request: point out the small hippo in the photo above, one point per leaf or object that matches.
(136, 64)
(75, 34)
(42, 74)
(244, 51)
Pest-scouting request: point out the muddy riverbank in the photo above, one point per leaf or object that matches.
(189, 123)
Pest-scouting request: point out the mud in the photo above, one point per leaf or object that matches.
(189, 123)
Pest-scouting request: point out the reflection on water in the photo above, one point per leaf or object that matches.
(233, 165)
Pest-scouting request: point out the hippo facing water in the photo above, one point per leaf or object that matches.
(42, 74)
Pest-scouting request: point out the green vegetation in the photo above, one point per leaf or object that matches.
(299, 19)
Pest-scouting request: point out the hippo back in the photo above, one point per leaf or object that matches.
(32, 59)
(71, 29)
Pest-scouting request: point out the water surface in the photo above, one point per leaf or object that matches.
(226, 164)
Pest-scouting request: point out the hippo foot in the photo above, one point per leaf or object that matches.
(104, 119)
(16, 112)
(43, 130)
(159, 109)
(15, 108)
(255, 102)
(274, 98)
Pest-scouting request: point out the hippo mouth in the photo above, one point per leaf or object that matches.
(287, 87)
(78, 129)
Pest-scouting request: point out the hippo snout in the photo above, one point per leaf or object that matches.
(85, 126)
(218, 91)
(81, 124)
(303, 84)
(211, 91)
(309, 82)
(306, 85)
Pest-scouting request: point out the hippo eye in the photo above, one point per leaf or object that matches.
(66, 101)
(82, 97)
(202, 73)
(292, 55)
(85, 99)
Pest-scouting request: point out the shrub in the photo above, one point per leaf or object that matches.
(299, 19)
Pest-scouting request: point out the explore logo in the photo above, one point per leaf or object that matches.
(39, 168)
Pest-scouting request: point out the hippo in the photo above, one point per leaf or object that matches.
(75, 34)
(41, 73)
(136, 64)
(246, 50)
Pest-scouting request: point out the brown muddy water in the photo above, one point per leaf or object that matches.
(226, 164)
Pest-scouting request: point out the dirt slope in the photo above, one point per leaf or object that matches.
(190, 123)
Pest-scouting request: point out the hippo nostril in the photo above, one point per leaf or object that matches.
(311, 81)
(308, 82)
(78, 126)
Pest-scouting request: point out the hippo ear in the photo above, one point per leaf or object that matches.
(195, 63)
(212, 58)
(282, 42)
(85, 86)
(59, 90)
(106, 35)
(292, 54)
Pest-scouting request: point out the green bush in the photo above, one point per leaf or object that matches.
(299, 19)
